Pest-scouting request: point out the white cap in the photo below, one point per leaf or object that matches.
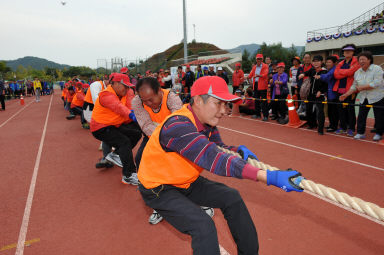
(220, 68)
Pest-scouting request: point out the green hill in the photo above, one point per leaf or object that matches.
(34, 62)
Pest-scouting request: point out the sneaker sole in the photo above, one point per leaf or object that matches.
(156, 222)
(113, 161)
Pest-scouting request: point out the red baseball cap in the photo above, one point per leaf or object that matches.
(187, 66)
(259, 56)
(237, 64)
(213, 86)
(124, 70)
(336, 56)
(281, 64)
(122, 78)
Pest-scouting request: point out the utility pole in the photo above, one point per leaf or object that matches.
(194, 32)
(185, 34)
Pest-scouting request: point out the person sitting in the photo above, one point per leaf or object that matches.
(248, 105)
(179, 149)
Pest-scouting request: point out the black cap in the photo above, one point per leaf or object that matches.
(317, 58)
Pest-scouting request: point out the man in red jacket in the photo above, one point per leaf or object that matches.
(344, 75)
(237, 77)
(260, 86)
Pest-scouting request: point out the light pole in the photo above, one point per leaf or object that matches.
(185, 34)
(194, 32)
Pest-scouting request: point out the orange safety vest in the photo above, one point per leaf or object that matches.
(88, 96)
(77, 102)
(164, 111)
(106, 116)
(64, 93)
(159, 167)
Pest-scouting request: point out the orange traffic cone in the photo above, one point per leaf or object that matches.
(21, 100)
(294, 120)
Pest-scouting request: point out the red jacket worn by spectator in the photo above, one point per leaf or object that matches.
(263, 79)
(345, 73)
(237, 77)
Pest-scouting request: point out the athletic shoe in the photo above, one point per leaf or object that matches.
(70, 117)
(208, 210)
(376, 137)
(155, 218)
(133, 180)
(114, 158)
(85, 126)
(256, 117)
(359, 136)
(350, 132)
(265, 119)
(330, 130)
(103, 163)
(340, 131)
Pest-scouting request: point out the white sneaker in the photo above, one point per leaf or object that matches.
(359, 136)
(208, 210)
(376, 137)
(133, 180)
(114, 158)
(155, 218)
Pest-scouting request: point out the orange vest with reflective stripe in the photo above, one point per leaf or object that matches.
(77, 102)
(88, 96)
(160, 167)
(64, 93)
(164, 111)
(106, 116)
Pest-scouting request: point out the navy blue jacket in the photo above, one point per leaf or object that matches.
(330, 79)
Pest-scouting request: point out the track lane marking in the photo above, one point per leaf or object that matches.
(14, 115)
(305, 149)
(28, 205)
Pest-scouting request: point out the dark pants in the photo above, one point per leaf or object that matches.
(234, 88)
(379, 117)
(246, 110)
(333, 114)
(181, 208)
(86, 104)
(139, 153)
(347, 114)
(279, 108)
(124, 139)
(106, 149)
(78, 111)
(261, 105)
(315, 117)
(2, 101)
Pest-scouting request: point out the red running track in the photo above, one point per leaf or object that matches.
(78, 209)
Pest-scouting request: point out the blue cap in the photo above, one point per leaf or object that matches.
(205, 68)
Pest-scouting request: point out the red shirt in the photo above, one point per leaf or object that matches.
(237, 77)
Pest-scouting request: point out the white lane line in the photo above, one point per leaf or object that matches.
(14, 115)
(28, 205)
(302, 129)
(305, 149)
(346, 208)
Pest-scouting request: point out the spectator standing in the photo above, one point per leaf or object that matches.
(199, 72)
(368, 82)
(293, 75)
(188, 79)
(167, 80)
(205, 71)
(268, 61)
(303, 68)
(211, 71)
(237, 77)
(317, 93)
(280, 91)
(333, 114)
(260, 85)
(37, 87)
(344, 75)
(2, 95)
(221, 73)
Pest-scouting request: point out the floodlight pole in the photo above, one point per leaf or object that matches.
(185, 34)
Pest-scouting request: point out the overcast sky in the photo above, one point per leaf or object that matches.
(83, 31)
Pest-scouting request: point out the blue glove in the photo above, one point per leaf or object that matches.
(246, 153)
(132, 116)
(288, 180)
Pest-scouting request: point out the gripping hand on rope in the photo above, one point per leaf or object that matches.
(288, 180)
(132, 116)
(246, 153)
